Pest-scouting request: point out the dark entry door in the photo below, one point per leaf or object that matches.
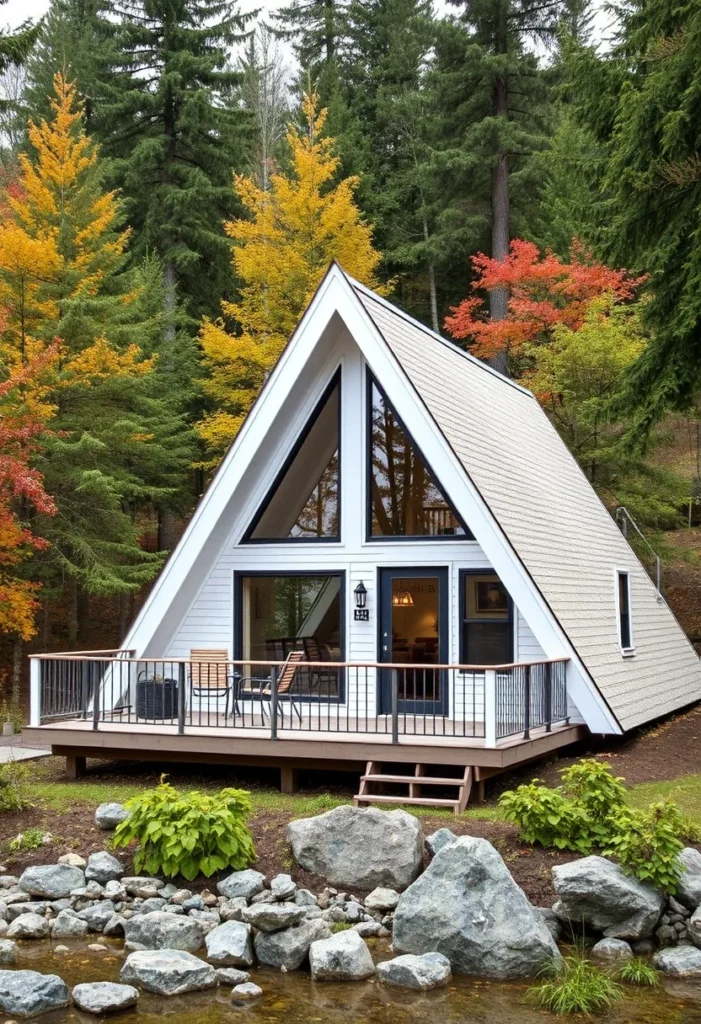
(414, 610)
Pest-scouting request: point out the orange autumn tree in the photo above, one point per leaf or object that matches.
(543, 291)
(22, 492)
(294, 231)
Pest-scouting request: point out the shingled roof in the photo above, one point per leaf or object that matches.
(556, 524)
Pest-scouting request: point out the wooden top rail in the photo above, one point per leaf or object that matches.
(250, 663)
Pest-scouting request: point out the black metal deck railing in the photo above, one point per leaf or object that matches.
(283, 698)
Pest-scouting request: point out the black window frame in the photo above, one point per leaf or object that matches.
(463, 576)
(370, 381)
(248, 537)
(241, 574)
(628, 648)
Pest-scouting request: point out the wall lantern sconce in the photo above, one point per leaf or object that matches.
(362, 613)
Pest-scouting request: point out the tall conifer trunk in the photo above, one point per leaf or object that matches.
(499, 297)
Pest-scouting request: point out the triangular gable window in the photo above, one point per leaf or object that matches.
(303, 503)
(406, 500)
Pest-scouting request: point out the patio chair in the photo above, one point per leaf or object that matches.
(285, 682)
(316, 652)
(210, 680)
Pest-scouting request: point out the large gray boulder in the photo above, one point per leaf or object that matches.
(353, 847)
(28, 926)
(230, 945)
(52, 881)
(103, 867)
(242, 883)
(159, 930)
(29, 993)
(289, 949)
(689, 887)
(431, 970)
(467, 906)
(273, 917)
(167, 972)
(595, 892)
(109, 815)
(679, 961)
(104, 996)
(341, 957)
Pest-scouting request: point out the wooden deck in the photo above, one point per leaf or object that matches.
(298, 748)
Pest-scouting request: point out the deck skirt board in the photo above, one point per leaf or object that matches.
(119, 741)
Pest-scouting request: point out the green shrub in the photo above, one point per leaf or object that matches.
(577, 987)
(14, 787)
(589, 812)
(637, 972)
(340, 926)
(187, 833)
(32, 839)
(646, 844)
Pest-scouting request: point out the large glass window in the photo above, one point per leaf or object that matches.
(304, 502)
(487, 621)
(405, 498)
(280, 614)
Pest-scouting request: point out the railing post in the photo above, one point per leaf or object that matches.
(548, 697)
(34, 691)
(273, 702)
(84, 670)
(181, 698)
(394, 678)
(95, 699)
(490, 708)
(527, 702)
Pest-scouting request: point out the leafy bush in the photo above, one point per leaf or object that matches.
(14, 783)
(577, 987)
(588, 811)
(637, 972)
(646, 844)
(187, 833)
(32, 839)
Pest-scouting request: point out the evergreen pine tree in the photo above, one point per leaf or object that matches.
(174, 131)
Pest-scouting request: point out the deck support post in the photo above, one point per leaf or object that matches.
(289, 781)
(490, 708)
(75, 766)
(34, 691)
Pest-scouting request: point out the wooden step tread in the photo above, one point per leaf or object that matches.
(412, 780)
(424, 801)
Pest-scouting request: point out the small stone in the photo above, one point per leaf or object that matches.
(342, 957)
(230, 945)
(246, 992)
(231, 976)
(273, 917)
(437, 840)
(68, 926)
(371, 930)
(282, 887)
(180, 895)
(231, 910)
(74, 859)
(109, 815)
(430, 970)
(61, 949)
(35, 907)
(28, 926)
(263, 897)
(612, 950)
(104, 996)
(98, 915)
(167, 972)
(305, 898)
(288, 949)
(8, 951)
(103, 867)
(242, 883)
(158, 930)
(193, 903)
(52, 881)
(136, 885)
(382, 899)
(682, 962)
(114, 929)
(97, 947)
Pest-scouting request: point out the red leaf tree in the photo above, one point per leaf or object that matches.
(543, 291)
(23, 419)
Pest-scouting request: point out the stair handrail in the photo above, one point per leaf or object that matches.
(623, 518)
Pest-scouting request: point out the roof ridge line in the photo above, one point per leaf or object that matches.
(444, 341)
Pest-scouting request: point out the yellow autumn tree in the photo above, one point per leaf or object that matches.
(296, 229)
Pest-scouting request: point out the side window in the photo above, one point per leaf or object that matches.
(625, 622)
(487, 620)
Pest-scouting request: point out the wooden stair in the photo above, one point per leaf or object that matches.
(416, 783)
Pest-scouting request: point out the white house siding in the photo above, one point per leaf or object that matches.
(209, 621)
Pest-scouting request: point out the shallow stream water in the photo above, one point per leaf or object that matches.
(294, 999)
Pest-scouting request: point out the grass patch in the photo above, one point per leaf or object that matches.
(577, 987)
(340, 926)
(638, 972)
(686, 793)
